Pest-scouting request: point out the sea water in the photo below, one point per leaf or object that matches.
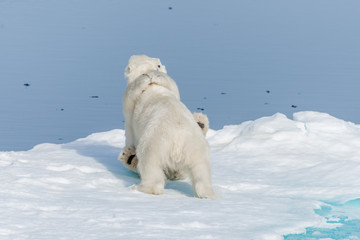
(342, 216)
(62, 78)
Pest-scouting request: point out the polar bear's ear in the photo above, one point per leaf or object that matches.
(158, 66)
(161, 68)
(128, 71)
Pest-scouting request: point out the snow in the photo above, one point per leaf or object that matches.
(272, 176)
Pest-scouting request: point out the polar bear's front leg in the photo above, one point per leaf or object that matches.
(127, 155)
(129, 135)
(128, 158)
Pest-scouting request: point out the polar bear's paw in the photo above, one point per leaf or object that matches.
(128, 158)
(157, 189)
(203, 122)
(204, 191)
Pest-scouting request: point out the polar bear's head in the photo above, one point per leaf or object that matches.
(140, 64)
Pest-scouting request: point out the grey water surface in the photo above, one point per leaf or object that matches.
(62, 62)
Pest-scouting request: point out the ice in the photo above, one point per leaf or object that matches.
(274, 176)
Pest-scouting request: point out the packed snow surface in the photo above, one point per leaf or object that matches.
(272, 176)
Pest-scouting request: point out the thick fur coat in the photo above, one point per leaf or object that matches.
(129, 159)
(163, 131)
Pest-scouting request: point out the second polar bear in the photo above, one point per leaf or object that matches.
(163, 131)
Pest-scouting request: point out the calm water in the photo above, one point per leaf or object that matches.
(236, 60)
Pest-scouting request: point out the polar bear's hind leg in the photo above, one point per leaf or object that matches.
(152, 175)
(201, 179)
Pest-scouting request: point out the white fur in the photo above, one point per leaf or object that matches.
(163, 131)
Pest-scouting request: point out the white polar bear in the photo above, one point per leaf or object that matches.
(163, 131)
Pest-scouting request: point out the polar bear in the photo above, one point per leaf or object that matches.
(163, 131)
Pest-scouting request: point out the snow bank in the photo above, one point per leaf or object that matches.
(270, 175)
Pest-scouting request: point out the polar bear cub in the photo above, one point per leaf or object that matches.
(163, 131)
